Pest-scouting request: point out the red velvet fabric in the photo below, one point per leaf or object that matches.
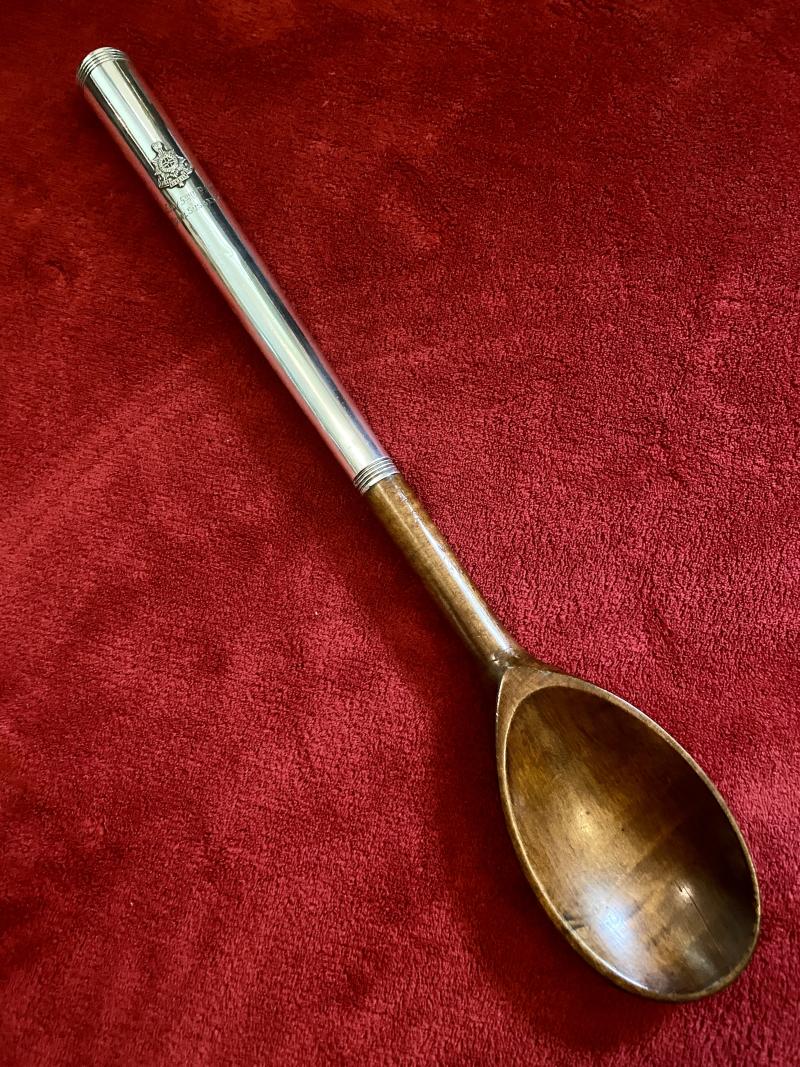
(249, 811)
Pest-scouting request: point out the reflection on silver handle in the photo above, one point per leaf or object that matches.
(124, 103)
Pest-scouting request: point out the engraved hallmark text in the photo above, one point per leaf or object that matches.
(187, 203)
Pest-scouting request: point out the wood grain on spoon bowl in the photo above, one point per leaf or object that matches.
(626, 842)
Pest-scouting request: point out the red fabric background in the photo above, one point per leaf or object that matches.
(249, 812)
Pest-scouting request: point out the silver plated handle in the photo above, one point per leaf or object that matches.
(127, 107)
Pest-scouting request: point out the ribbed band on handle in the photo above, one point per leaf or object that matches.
(374, 473)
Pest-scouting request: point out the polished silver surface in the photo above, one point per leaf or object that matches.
(124, 103)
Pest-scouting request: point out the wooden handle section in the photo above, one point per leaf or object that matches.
(435, 562)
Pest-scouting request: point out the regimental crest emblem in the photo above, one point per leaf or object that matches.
(171, 170)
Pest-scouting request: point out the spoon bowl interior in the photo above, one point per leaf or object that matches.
(628, 845)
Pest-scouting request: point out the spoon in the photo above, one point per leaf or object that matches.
(627, 844)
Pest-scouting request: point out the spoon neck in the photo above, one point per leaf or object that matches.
(413, 530)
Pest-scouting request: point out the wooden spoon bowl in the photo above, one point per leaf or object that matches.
(626, 842)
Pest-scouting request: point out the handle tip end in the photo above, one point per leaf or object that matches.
(95, 59)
